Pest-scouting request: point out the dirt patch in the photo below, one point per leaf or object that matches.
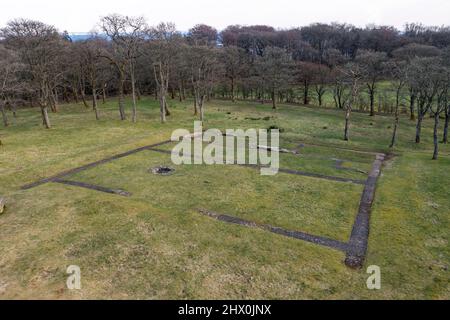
(162, 170)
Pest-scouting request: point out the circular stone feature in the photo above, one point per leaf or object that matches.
(162, 170)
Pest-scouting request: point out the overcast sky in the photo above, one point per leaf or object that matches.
(82, 15)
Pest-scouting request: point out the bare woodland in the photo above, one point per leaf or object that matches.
(377, 69)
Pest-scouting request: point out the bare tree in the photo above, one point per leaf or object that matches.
(234, 61)
(126, 34)
(38, 46)
(340, 88)
(202, 35)
(423, 76)
(446, 123)
(412, 102)
(203, 65)
(443, 81)
(274, 68)
(9, 81)
(398, 72)
(90, 58)
(305, 73)
(446, 63)
(163, 49)
(353, 75)
(374, 63)
(181, 75)
(321, 80)
(407, 53)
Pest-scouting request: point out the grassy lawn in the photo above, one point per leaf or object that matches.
(154, 244)
(284, 200)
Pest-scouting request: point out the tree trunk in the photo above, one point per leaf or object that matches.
(412, 102)
(94, 103)
(75, 93)
(138, 92)
(372, 102)
(320, 92)
(44, 97)
(65, 95)
(435, 136)
(52, 105)
(14, 109)
(274, 101)
(104, 94)
(83, 98)
(201, 108)
(419, 127)
(166, 108)
(45, 119)
(338, 97)
(4, 116)
(162, 85)
(447, 120)
(53, 102)
(347, 123)
(233, 99)
(162, 107)
(121, 97)
(180, 92)
(394, 133)
(306, 93)
(133, 94)
(55, 99)
(348, 110)
(195, 104)
(83, 94)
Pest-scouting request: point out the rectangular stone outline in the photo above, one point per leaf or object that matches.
(323, 241)
(90, 165)
(359, 237)
(288, 171)
(355, 248)
(93, 187)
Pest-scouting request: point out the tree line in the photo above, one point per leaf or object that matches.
(405, 71)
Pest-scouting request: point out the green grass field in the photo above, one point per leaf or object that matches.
(155, 244)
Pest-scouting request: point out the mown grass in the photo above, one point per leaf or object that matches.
(154, 244)
(283, 200)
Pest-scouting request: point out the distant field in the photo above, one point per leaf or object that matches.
(384, 99)
(156, 244)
